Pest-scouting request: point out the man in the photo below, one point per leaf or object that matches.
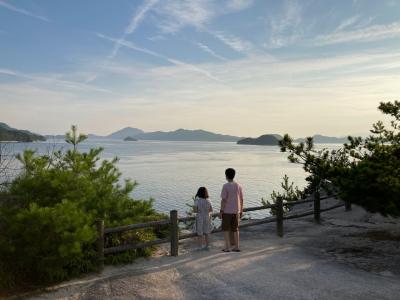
(231, 210)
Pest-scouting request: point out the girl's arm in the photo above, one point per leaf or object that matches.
(195, 208)
(210, 209)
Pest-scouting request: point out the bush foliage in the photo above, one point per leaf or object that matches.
(47, 215)
(365, 171)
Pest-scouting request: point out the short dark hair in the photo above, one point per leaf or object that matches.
(230, 173)
(202, 193)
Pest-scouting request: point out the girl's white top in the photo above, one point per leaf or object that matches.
(203, 220)
(203, 206)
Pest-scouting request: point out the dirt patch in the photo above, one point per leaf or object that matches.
(381, 236)
(375, 251)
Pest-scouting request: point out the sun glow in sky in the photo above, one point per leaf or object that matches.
(238, 67)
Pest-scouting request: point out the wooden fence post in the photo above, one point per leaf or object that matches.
(173, 215)
(347, 205)
(100, 243)
(317, 207)
(279, 216)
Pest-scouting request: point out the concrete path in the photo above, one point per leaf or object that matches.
(292, 267)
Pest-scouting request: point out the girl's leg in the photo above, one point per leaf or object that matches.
(207, 238)
(200, 240)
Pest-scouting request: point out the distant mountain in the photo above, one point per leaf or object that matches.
(187, 135)
(95, 136)
(8, 133)
(62, 136)
(55, 136)
(125, 132)
(322, 139)
(130, 139)
(264, 140)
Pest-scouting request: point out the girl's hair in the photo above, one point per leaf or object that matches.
(202, 193)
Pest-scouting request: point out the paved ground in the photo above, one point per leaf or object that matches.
(309, 262)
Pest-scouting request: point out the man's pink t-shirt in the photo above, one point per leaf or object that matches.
(233, 195)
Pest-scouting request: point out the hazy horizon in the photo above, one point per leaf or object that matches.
(240, 67)
(310, 134)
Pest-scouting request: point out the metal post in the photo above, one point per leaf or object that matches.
(100, 243)
(279, 216)
(174, 232)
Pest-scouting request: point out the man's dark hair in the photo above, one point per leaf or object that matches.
(230, 173)
(202, 193)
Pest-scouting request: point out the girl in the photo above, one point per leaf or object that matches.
(202, 207)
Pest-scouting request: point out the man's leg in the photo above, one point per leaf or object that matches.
(235, 229)
(232, 238)
(236, 236)
(227, 240)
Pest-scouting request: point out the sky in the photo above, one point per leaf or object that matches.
(240, 67)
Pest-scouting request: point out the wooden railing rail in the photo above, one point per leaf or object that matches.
(174, 220)
(136, 226)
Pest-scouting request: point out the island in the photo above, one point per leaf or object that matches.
(130, 139)
(322, 139)
(9, 134)
(187, 135)
(264, 140)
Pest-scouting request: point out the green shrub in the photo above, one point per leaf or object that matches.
(48, 213)
(365, 171)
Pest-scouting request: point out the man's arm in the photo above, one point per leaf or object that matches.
(223, 204)
(241, 201)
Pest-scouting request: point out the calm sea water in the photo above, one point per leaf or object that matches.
(171, 172)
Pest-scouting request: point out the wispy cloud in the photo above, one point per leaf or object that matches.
(294, 89)
(127, 44)
(157, 37)
(371, 33)
(237, 5)
(22, 11)
(8, 72)
(232, 41)
(176, 14)
(136, 19)
(285, 28)
(176, 62)
(347, 22)
(38, 79)
(207, 49)
(266, 88)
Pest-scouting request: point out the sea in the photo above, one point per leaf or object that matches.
(170, 172)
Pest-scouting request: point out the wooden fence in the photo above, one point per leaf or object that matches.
(174, 221)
